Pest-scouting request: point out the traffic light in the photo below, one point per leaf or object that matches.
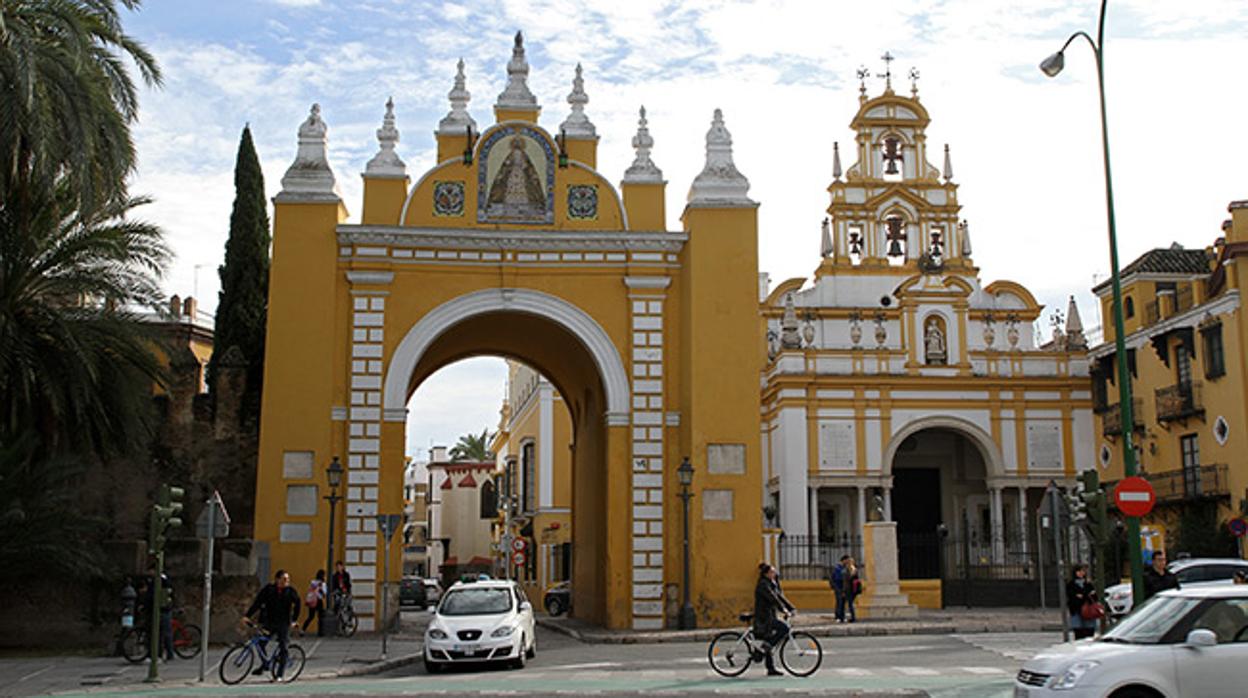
(166, 513)
(1095, 507)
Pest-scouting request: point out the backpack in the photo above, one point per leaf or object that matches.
(314, 595)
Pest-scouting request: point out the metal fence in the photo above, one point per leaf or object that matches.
(812, 557)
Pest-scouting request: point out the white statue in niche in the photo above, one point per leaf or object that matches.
(934, 341)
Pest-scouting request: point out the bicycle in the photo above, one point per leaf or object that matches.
(348, 623)
(731, 652)
(136, 643)
(238, 661)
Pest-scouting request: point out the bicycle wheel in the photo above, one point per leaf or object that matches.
(729, 654)
(236, 664)
(289, 668)
(186, 640)
(800, 653)
(347, 622)
(134, 645)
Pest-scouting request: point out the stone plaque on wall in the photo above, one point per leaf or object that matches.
(717, 505)
(838, 449)
(297, 465)
(296, 533)
(725, 459)
(301, 500)
(1044, 446)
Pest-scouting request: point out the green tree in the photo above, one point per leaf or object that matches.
(243, 300)
(67, 99)
(472, 447)
(76, 365)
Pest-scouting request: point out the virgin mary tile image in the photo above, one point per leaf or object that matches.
(515, 169)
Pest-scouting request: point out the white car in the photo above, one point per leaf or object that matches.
(1195, 572)
(1182, 643)
(481, 621)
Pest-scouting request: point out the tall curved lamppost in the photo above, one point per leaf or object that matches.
(1051, 67)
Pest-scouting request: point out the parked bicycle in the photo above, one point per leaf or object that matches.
(345, 612)
(731, 652)
(239, 660)
(136, 643)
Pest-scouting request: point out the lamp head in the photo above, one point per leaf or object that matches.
(334, 473)
(1053, 64)
(685, 473)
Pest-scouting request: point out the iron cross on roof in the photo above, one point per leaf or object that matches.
(888, 70)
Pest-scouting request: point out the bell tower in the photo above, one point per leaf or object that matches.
(892, 207)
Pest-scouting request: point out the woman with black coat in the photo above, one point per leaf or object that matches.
(768, 602)
(1079, 591)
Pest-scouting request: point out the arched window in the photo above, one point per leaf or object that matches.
(489, 501)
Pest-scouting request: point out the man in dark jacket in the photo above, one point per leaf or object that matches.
(339, 585)
(768, 601)
(278, 604)
(1157, 578)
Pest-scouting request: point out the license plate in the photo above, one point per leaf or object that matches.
(468, 650)
(1022, 692)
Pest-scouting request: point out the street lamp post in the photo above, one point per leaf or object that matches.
(333, 474)
(1051, 67)
(687, 620)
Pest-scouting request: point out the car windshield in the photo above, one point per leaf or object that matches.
(1151, 621)
(475, 602)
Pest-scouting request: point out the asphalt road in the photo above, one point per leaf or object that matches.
(945, 666)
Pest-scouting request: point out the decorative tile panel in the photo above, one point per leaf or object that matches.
(448, 199)
(583, 202)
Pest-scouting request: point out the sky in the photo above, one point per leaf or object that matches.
(1025, 148)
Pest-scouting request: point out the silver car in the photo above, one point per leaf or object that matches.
(1182, 643)
(1198, 572)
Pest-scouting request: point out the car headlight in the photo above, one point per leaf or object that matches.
(437, 634)
(504, 631)
(1073, 674)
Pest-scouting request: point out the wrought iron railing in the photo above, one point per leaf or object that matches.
(811, 557)
(1179, 401)
(1111, 418)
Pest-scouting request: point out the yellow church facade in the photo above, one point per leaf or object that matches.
(1185, 337)
(514, 245)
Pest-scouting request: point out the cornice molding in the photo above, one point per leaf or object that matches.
(463, 238)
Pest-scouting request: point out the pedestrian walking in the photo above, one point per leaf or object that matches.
(837, 581)
(852, 587)
(1157, 578)
(315, 600)
(1081, 603)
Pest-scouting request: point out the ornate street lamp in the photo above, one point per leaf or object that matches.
(333, 475)
(1051, 67)
(686, 620)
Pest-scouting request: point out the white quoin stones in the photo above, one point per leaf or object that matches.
(386, 162)
(517, 94)
(719, 183)
(309, 176)
(577, 125)
(458, 120)
(643, 169)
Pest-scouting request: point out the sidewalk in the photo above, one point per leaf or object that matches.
(930, 622)
(326, 658)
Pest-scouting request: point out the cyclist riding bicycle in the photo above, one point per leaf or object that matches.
(768, 602)
(278, 604)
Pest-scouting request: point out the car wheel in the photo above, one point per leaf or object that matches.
(432, 667)
(1133, 692)
(554, 607)
(532, 651)
(519, 661)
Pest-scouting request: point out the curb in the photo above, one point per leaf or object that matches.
(833, 630)
(377, 667)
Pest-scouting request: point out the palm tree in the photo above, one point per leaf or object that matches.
(76, 365)
(472, 447)
(67, 99)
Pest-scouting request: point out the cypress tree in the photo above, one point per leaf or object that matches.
(243, 301)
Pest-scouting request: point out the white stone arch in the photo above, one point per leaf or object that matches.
(993, 463)
(442, 318)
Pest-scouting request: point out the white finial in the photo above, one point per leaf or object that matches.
(309, 176)
(643, 168)
(825, 247)
(836, 162)
(458, 118)
(948, 172)
(719, 182)
(1074, 327)
(386, 162)
(577, 125)
(517, 95)
(964, 232)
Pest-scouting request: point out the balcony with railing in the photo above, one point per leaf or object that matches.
(1111, 418)
(1179, 401)
(1187, 484)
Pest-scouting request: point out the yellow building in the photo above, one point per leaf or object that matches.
(461, 514)
(513, 244)
(900, 387)
(1185, 339)
(534, 450)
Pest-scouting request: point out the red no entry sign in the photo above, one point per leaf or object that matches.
(1238, 527)
(1134, 496)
